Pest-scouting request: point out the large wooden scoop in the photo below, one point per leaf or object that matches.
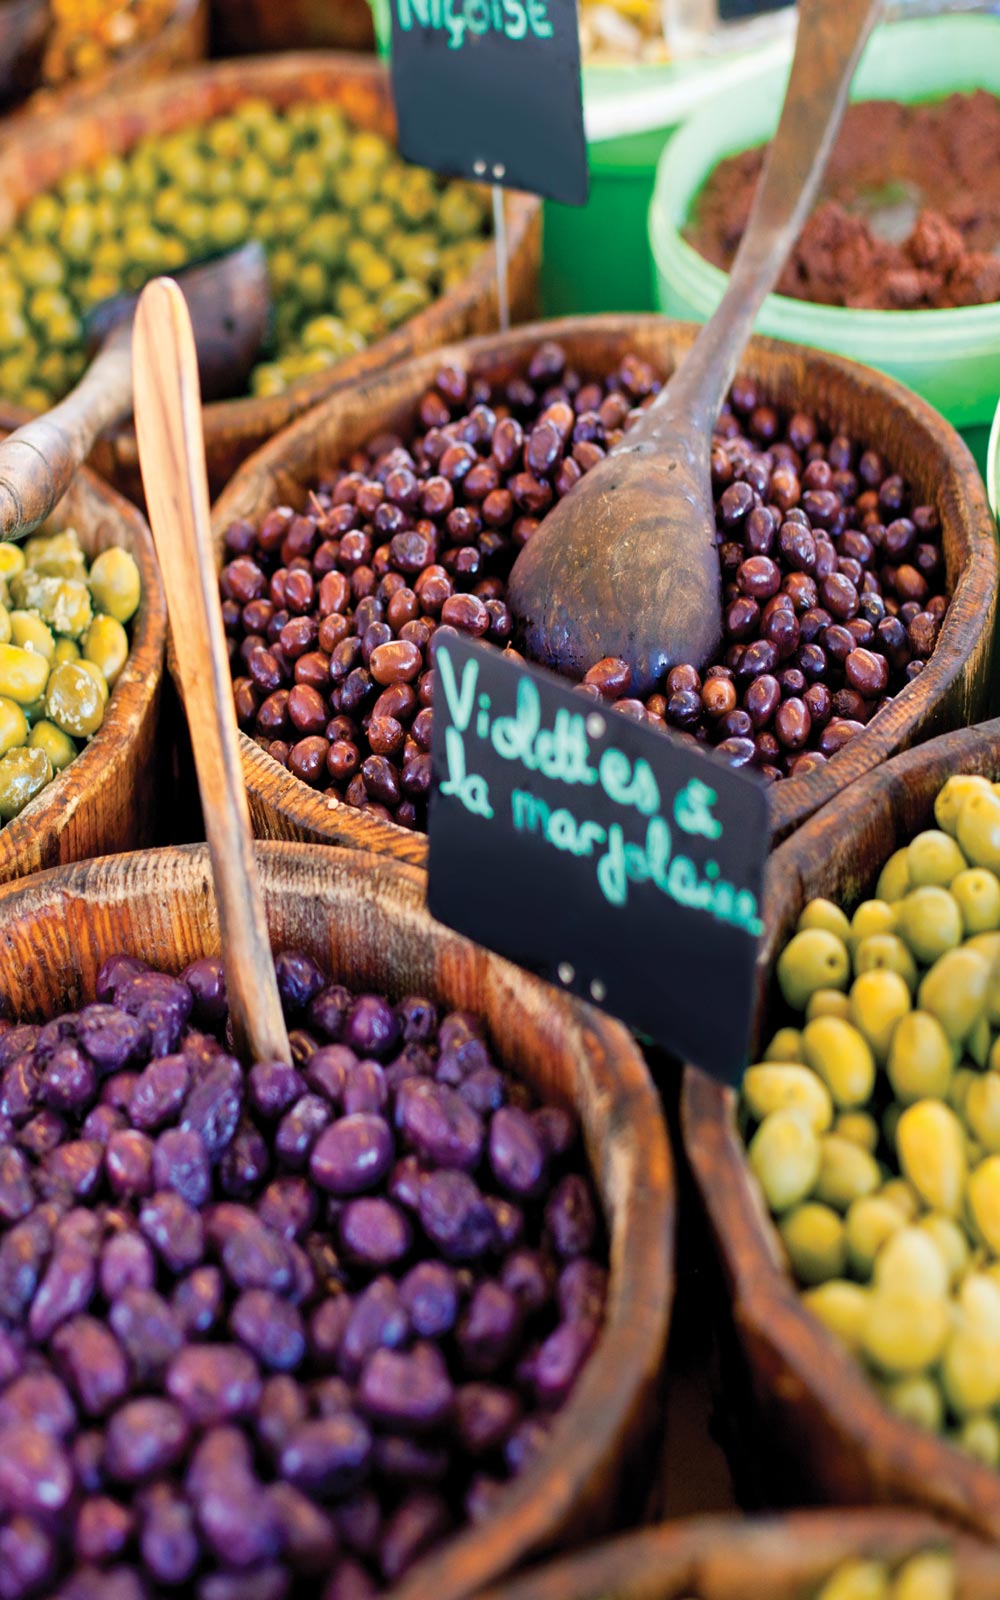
(24, 25)
(230, 304)
(627, 565)
(175, 479)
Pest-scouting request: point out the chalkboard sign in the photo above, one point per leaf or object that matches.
(617, 863)
(731, 10)
(490, 89)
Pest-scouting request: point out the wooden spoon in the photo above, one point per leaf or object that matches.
(627, 564)
(24, 26)
(231, 305)
(175, 479)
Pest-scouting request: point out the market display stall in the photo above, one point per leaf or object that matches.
(384, 1308)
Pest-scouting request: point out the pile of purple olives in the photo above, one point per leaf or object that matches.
(274, 1332)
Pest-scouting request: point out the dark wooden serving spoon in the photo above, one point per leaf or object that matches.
(230, 304)
(24, 26)
(627, 564)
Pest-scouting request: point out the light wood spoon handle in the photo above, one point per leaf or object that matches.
(172, 457)
(37, 463)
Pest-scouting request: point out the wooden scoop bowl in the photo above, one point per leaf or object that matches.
(230, 305)
(627, 564)
(24, 25)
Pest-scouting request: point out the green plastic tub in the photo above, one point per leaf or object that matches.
(993, 465)
(950, 357)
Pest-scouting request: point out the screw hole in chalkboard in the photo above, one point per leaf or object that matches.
(566, 972)
(595, 726)
(598, 991)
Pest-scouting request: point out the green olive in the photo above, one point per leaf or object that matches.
(842, 1307)
(846, 1172)
(115, 584)
(785, 1086)
(814, 1237)
(952, 796)
(785, 1154)
(930, 922)
(932, 1153)
(23, 774)
(105, 643)
(977, 893)
(58, 746)
(73, 700)
(871, 917)
(31, 633)
(820, 913)
(878, 1002)
(978, 831)
(885, 952)
(13, 725)
(23, 674)
(842, 1056)
(814, 959)
(920, 1062)
(934, 857)
(955, 990)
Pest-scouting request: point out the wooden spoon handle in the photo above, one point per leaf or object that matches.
(37, 462)
(172, 458)
(831, 36)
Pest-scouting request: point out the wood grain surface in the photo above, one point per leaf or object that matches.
(363, 918)
(103, 801)
(951, 691)
(172, 457)
(38, 157)
(812, 1401)
(770, 1558)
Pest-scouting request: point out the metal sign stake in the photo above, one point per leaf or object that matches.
(500, 235)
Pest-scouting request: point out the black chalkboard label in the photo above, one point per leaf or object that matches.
(490, 89)
(620, 864)
(733, 10)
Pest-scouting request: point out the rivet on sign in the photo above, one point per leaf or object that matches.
(479, 168)
(499, 171)
(595, 725)
(566, 972)
(598, 991)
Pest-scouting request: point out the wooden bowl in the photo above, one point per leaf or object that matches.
(363, 918)
(835, 1437)
(40, 156)
(240, 26)
(950, 691)
(103, 801)
(771, 1558)
(182, 40)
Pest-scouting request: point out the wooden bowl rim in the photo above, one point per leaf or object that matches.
(634, 1153)
(767, 1306)
(133, 694)
(673, 1559)
(277, 77)
(972, 601)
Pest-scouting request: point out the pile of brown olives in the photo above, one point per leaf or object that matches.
(63, 644)
(832, 581)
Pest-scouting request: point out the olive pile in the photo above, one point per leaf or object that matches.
(356, 239)
(63, 645)
(271, 1333)
(876, 1121)
(832, 581)
(88, 36)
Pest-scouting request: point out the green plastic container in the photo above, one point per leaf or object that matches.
(993, 466)
(950, 357)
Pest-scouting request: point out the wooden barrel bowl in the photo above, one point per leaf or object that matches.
(770, 1558)
(810, 1398)
(182, 40)
(363, 918)
(40, 156)
(103, 801)
(950, 692)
